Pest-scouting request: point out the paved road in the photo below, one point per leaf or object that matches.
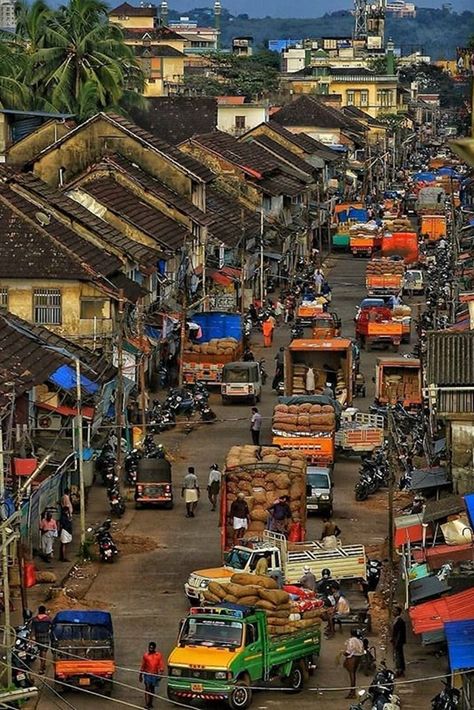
(145, 591)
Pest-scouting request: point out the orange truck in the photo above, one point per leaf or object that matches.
(326, 325)
(300, 427)
(398, 379)
(375, 326)
(434, 226)
(364, 244)
(402, 244)
(384, 276)
(331, 361)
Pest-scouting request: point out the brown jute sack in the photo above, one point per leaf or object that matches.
(243, 578)
(275, 596)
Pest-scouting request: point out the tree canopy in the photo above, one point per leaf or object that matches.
(69, 59)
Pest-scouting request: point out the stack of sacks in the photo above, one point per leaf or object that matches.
(378, 267)
(273, 473)
(216, 346)
(303, 419)
(401, 311)
(299, 379)
(262, 593)
(341, 388)
(364, 228)
(399, 224)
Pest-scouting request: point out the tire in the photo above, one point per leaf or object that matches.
(240, 697)
(225, 400)
(295, 681)
(107, 688)
(329, 512)
(169, 505)
(253, 400)
(395, 347)
(368, 346)
(361, 493)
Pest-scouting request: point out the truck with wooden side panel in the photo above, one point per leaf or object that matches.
(398, 379)
(346, 562)
(376, 326)
(219, 343)
(223, 651)
(434, 226)
(359, 432)
(331, 361)
(384, 276)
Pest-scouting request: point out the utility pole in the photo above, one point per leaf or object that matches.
(242, 261)
(5, 581)
(80, 454)
(393, 465)
(141, 367)
(262, 289)
(184, 309)
(119, 398)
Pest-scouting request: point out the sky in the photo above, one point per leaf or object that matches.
(303, 8)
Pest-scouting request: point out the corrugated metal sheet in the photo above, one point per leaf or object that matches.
(450, 359)
(460, 638)
(426, 587)
(431, 616)
(437, 556)
(455, 402)
(422, 478)
(437, 509)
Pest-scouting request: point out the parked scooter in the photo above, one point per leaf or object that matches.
(116, 502)
(107, 548)
(131, 466)
(24, 653)
(448, 699)
(105, 462)
(380, 695)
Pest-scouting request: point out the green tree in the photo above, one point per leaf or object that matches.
(13, 91)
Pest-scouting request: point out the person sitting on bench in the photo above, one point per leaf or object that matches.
(338, 611)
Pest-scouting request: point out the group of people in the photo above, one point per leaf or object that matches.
(191, 492)
(279, 516)
(52, 529)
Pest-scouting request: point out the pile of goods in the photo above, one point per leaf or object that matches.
(364, 229)
(299, 379)
(283, 615)
(401, 311)
(216, 346)
(303, 419)
(398, 224)
(264, 474)
(379, 267)
(398, 387)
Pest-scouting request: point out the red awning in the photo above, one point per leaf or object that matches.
(87, 412)
(430, 616)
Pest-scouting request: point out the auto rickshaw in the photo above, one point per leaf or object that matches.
(153, 485)
(82, 642)
(326, 325)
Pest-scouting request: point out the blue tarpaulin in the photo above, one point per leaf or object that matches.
(424, 177)
(83, 616)
(460, 638)
(358, 214)
(469, 503)
(65, 377)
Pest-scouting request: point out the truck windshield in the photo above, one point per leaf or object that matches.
(237, 559)
(317, 480)
(237, 374)
(211, 632)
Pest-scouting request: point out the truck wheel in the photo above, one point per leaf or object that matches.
(225, 400)
(107, 688)
(241, 695)
(295, 680)
(169, 505)
(329, 512)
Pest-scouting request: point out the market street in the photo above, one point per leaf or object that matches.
(144, 592)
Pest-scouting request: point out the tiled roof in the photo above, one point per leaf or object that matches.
(252, 159)
(174, 119)
(156, 50)
(279, 151)
(28, 252)
(309, 111)
(86, 252)
(168, 234)
(186, 163)
(157, 33)
(305, 142)
(358, 114)
(157, 188)
(132, 11)
(70, 209)
(131, 290)
(230, 220)
(281, 184)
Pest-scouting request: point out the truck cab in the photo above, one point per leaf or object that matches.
(239, 559)
(241, 380)
(319, 494)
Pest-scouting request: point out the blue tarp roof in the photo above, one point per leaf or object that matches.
(65, 377)
(424, 177)
(83, 616)
(460, 638)
(358, 214)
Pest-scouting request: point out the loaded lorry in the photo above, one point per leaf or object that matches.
(398, 379)
(306, 423)
(376, 326)
(434, 226)
(223, 651)
(219, 342)
(331, 361)
(401, 244)
(288, 559)
(384, 276)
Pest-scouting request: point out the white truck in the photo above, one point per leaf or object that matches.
(346, 562)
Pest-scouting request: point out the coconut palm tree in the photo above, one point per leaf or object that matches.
(13, 91)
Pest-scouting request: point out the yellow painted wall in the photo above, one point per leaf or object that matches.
(374, 107)
(24, 150)
(131, 23)
(90, 143)
(20, 302)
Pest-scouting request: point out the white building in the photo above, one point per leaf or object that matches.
(7, 15)
(236, 117)
(400, 8)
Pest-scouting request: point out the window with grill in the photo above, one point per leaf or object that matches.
(240, 122)
(364, 98)
(93, 308)
(47, 306)
(350, 98)
(3, 298)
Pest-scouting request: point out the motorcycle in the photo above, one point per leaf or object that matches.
(105, 462)
(206, 413)
(24, 653)
(448, 699)
(297, 331)
(160, 419)
(374, 570)
(131, 466)
(116, 502)
(180, 401)
(107, 548)
(380, 694)
(263, 374)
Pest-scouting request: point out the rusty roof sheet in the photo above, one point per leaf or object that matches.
(438, 509)
(253, 160)
(133, 11)
(430, 616)
(68, 209)
(168, 234)
(86, 252)
(450, 359)
(28, 252)
(285, 155)
(174, 119)
(439, 555)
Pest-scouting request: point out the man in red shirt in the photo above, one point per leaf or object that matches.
(150, 671)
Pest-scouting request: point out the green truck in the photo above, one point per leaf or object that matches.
(224, 651)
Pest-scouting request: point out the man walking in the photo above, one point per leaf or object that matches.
(214, 485)
(399, 639)
(255, 426)
(41, 625)
(190, 492)
(151, 669)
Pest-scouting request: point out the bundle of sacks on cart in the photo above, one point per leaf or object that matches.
(303, 418)
(273, 473)
(216, 346)
(378, 267)
(399, 224)
(285, 612)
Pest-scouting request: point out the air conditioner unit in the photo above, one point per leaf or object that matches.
(51, 422)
